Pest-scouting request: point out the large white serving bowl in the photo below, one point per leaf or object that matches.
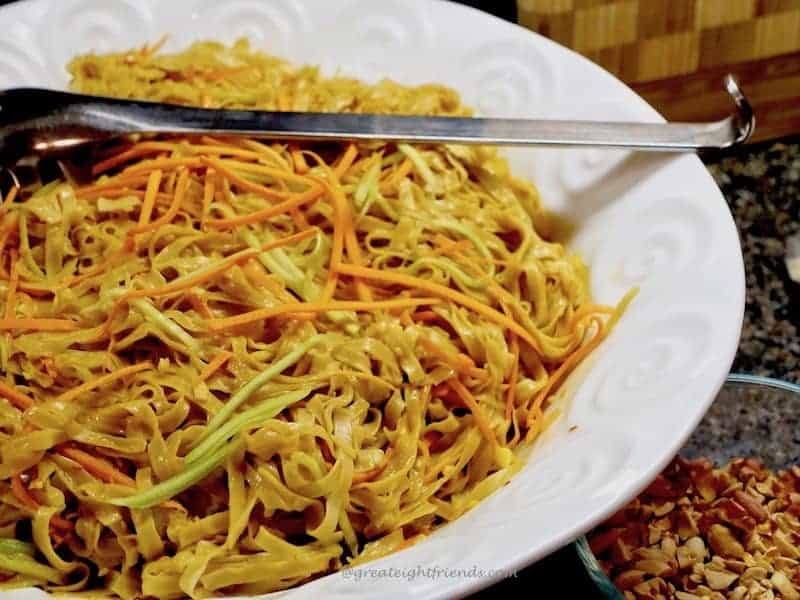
(654, 221)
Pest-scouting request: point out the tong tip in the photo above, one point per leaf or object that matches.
(745, 120)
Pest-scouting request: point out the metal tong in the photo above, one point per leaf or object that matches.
(41, 123)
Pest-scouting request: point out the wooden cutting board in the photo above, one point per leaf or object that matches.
(675, 52)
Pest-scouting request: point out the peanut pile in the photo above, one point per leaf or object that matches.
(700, 532)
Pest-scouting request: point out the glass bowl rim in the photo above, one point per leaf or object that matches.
(581, 545)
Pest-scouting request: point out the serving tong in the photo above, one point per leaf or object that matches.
(38, 124)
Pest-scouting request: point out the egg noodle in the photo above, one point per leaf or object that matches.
(230, 366)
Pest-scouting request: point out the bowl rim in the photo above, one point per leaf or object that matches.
(771, 382)
(581, 545)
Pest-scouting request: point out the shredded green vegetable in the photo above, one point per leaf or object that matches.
(12, 546)
(186, 415)
(168, 488)
(23, 564)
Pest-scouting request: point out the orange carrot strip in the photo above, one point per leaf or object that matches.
(224, 265)
(9, 200)
(370, 474)
(279, 174)
(165, 164)
(344, 218)
(172, 211)
(37, 324)
(471, 403)
(60, 522)
(208, 195)
(460, 363)
(215, 364)
(135, 151)
(153, 183)
(588, 309)
(148, 51)
(113, 183)
(307, 197)
(200, 306)
(512, 379)
(425, 316)
(315, 307)
(346, 162)
(397, 176)
(337, 248)
(97, 467)
(300, 164)
(22, 493)
(443, 292)
(73, 393)
(564, 369)
(246, 184)
(17, 398)
(255, 272)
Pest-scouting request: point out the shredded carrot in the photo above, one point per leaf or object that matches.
(117, 182)
(200, 306)
(135, 151)
(61, 523)
(425, 316)
(315, 307)
(512, 378)
(300, 164)
(148, 51)
(153, 183)
(307, 197)
(175, 505)
(443, 292)
(460, 363)
(226, 167)
(405, 319)
(218, 269)
(37, 324)
(74, 393)
(564, 369)
(216, 363)
(177, 201)
(587, 309)
(337, 251)
(344, 223)
(208, 195)
(471, 403)
(165, 164)
(346, 161)
(370, 474)
(9, 199)
(400, 173)
(255, 272)
(97, 467)
(22, 493)
(17, 398)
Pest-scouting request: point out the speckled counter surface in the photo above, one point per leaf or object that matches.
(762, 187)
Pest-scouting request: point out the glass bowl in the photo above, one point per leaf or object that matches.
(751, 416)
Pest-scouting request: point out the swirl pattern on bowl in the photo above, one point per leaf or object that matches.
(273, 25)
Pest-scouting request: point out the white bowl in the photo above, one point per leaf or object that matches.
(656, 221)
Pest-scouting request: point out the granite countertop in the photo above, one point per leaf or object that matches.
(761, 184)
